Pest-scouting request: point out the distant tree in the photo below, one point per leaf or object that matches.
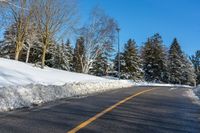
(154, 59)
(196, 62)
(133, 64)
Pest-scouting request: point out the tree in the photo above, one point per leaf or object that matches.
(196, 63)
(99, 36)
(133, 65)
(122, 65)
(79, 55)
(53, 18)
(188, 72)
(175, 63)
(154, 59)
(100, 66)
(20, 13)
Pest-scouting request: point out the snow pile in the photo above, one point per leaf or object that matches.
(24, 85)
(19, 73)
(194, 95)
(29, 95)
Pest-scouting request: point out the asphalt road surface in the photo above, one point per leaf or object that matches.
(130, 110)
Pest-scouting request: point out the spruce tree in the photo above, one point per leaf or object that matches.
(66, 56)
(100, 66)
(175, 63)
(122, 65)
(154, 60)
(181, 70)
(196, 63)
(79, 55)
(133, 66)
(188, 72)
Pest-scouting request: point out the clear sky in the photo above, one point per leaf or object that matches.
(139, 19)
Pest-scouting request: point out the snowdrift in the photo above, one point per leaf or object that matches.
(25, 85)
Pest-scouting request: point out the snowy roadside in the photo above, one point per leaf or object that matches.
(14, 97)
(26, 96)
(194, 94)
(25, 85)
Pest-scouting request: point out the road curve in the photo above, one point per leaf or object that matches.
(161, 110)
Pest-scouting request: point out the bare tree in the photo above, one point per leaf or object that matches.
(99, 36)
(53, 19)
(18, 12)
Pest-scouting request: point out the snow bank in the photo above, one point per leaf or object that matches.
(14, 73)
(29, 95)
(194, 94)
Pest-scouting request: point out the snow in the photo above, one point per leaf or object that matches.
(25, 85)
(194, 95)
(19, 73)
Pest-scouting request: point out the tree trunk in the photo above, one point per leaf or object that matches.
(28, 54)
(18, 49)
(17, 54)
(43, 56)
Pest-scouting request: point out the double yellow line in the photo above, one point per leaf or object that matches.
(90, 120)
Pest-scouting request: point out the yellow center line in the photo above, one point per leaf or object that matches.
(90, 120)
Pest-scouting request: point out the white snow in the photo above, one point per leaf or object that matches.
(192, 93)
(25, 85)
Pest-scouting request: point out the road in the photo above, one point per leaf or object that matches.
(130, 110)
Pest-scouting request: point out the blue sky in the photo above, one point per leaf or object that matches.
(139, 19)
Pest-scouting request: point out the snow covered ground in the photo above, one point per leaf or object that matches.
(194, 94)
(25, 85)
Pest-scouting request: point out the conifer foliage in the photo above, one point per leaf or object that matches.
(154, 59)
(180, 69)
(132, 68)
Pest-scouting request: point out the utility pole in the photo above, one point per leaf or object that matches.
(119, 75)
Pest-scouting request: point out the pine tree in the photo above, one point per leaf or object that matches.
(133, 66)
(196, 62)
(154, 60)
(122, 65)
(175, 63)
(79, 55)
(67, 56)
(100, 66)
(188, 72)
(7, 48)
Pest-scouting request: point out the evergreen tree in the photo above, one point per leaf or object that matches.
(188, 72)
(132, 68)
(100, 66)
(181, 70)
(175, 63)
(154, 60)
(122, 65)
(196, 62)
(67, 56)
(79, 55)
(7, 48)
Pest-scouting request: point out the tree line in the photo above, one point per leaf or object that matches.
(36, 32)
